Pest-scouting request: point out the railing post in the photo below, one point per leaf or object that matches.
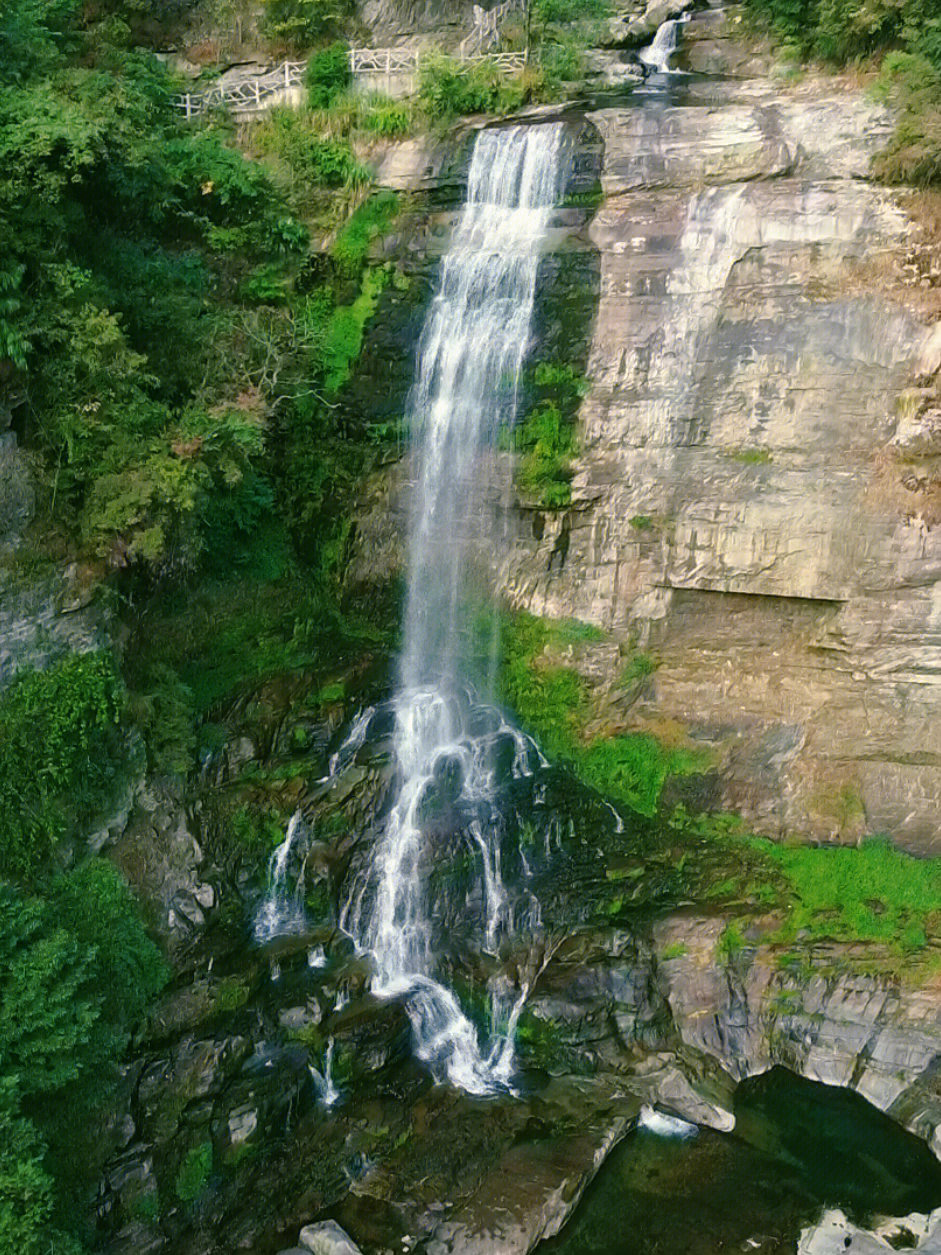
(287, 76)
(257, 94)
(188, 106)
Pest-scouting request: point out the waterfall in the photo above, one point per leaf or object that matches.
(449, 746)
(657, 54)
(324, 1087)
(282, 909)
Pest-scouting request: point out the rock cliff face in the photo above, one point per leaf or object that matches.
(756, 496)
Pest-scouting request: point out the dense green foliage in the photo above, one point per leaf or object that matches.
(842, 30)
(913, 155)
(328, 74)
(296, 24)
(839, 31)
(873, 893)
(552, 702)
(76, 974)
(545, 437)
(60, 753)
(449, 88)
(120, 232)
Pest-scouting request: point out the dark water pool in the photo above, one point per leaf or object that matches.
(798, 1146)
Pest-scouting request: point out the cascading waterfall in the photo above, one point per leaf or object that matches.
(282, 910)
(657, 54)
(470, 357)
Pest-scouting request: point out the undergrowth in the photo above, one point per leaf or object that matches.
(553, 703)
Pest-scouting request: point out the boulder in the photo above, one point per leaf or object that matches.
(327, 1238)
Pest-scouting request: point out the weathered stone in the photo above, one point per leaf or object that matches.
(327, 1238)
(833, 1234)
(877, 1036)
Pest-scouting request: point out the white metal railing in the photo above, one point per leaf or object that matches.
(408, 60)
(253, 95)
(249, 96)
(487, 24)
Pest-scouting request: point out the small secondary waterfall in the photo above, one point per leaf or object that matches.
(447, 743)
(282, 910)
(657, 54)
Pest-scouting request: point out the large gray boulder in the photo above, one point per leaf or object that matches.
(327, 1238)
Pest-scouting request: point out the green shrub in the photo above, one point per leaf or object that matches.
(60, 754)
(371, 221)
(344, 335)
(449, 88)
(545, 438)
(569, 10)
(730, 944)
(328, 74)
(292, 137)
(193, 1175)
(870, 893)
(299, 23)
(913, 155)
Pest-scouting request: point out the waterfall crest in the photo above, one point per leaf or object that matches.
(448, 745)
(657, 54)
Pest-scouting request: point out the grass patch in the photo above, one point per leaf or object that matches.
(344, 336)
(193, 1175)
(545, 438)
(873, 892)
(553, 703)
(372, 220)
(750, 457)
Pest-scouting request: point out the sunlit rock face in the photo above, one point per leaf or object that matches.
(740, 503)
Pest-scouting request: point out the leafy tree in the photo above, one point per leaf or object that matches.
(59, 753)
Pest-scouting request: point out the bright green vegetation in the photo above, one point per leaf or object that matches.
(60, 755)
(371, 221)
(846, 30)
(750, 457)
(343, 341)
(193, 1176)
(328, 75)
(553, 703)
(870, 893)
(76, 974)
(842, 31)
(560, 32)
(913, 155)
(449, 88)
(545, 437)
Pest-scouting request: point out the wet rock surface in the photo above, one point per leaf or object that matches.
(231, 1073)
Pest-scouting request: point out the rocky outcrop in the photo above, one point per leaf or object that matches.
(47, 610)
(739, 505)
(440, 21)
(814, 1017)
(833, 1234)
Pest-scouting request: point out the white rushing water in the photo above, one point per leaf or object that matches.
(282, 910)
(657, 54)
(470, 357)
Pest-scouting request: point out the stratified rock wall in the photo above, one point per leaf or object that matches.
(740, 504)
